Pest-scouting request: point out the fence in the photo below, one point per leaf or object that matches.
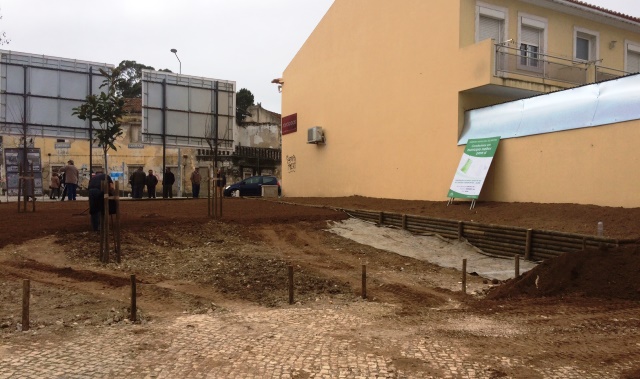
(503, 241)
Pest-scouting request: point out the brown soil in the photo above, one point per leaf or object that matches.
(186, 262)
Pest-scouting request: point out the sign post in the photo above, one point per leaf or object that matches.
(472, 169)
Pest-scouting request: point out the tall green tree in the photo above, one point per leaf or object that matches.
(130, 85)
(244, 99)
(107, 110)
(131, 74)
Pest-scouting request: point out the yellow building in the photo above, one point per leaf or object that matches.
(389, 82)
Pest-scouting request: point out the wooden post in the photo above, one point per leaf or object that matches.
(527, 249)
(209, 196)
(381, 218)
(290, 284)
(517, 272)
(26, 293)
(102, 232)
(116, 229)
(32, 181)
(464, 276)
(215, 198)
(460, 230)
(364, 281)
(134, 309)
(404, 221)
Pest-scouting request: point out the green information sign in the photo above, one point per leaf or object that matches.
(473, 168)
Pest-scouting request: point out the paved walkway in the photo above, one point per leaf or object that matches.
(356, 340)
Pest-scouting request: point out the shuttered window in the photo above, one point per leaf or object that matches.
(633, 61)
(490, 28)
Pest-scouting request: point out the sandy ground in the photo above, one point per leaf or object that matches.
(433, 249)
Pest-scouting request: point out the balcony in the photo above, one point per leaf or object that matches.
(531, 66)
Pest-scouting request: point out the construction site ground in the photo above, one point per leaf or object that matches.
(213, 300)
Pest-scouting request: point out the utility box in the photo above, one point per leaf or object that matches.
(269, 191)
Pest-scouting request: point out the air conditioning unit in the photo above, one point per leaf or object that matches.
(315, 135)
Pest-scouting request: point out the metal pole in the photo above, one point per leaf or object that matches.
(91, 127)
(164, 130)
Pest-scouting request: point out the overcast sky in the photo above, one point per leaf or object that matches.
(248, 41)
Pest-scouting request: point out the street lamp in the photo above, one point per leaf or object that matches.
(176, 53)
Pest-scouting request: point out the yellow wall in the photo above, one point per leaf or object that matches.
(384, 78)
(150, 156)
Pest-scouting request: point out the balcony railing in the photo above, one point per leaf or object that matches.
(526, 63)
(510, 60)
(605, 73)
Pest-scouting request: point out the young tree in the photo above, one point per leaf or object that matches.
(244, 99)
(107, 110)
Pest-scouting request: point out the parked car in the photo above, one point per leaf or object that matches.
(251, 186)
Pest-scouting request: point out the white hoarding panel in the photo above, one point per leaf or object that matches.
(153, 121)
(178, 124)
(180, 110)
(54, 86)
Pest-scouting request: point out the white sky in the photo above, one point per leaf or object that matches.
(248, 41)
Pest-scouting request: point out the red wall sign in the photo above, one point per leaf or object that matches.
(290, 124)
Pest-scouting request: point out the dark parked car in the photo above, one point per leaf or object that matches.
(251, 186)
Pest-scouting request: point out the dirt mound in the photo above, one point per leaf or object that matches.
(609, 274)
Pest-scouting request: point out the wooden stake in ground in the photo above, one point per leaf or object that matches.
(290, 284)
(464, 276)
(134, 308)
(364, 281)
(26, 293)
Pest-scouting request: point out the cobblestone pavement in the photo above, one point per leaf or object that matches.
(353, 340)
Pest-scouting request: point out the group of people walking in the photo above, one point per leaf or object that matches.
(68, 176)
(139, 180)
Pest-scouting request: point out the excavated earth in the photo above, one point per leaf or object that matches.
(189, 263)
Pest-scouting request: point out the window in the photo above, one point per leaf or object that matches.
(586, 45)
(134, 133)
(490, 22)
(632, 60)
(532, 39)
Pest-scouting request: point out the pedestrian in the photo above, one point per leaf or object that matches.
(151, 182)
(195, 182)
(222, 180)
(167, 183)
(137, 182)
(96, 197)
(63, 186)
(54, 186)
(71, 176)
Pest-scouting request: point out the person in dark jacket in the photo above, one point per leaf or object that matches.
(196, 178)
(96, 197)
(167, 183)
(137, 181)
(151, 182)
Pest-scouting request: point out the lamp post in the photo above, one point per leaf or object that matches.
(176, 53)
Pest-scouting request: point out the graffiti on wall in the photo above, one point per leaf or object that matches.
(291, 163)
